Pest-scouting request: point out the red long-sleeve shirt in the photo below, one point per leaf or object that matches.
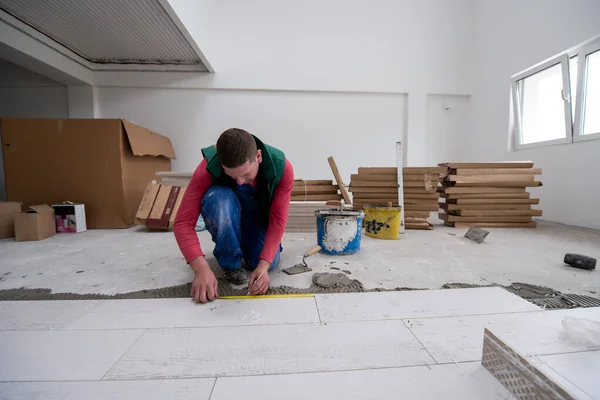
(189, 210)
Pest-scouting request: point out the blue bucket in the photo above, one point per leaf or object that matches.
(339, 232)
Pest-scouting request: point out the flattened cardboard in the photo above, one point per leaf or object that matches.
(8, 210)
(35, 224)
(102, 163)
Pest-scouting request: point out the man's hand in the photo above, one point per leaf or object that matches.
(205, 284)
(259, 286)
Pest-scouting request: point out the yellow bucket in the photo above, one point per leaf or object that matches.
(382, 222)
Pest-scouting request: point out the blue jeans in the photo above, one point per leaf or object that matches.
(233, 220)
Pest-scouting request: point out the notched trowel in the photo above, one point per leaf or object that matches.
(301, 268)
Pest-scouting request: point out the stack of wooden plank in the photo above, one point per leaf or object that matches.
(301, 216)
(315, 190)
(489, 195)
(307, 197)
(379, 185)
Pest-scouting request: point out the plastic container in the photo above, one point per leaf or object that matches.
(382, 222)
(339, 232)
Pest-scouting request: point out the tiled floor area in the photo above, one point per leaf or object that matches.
(569, 357)
(417, 345)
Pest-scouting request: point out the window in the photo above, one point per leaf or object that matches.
(573, 83)
(557, 101)
(588, 85)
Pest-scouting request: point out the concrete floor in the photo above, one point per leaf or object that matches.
(117, 261)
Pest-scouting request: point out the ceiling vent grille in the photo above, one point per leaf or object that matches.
(108, 31)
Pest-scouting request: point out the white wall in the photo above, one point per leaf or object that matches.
(357, 129)
(378, 45)
(25, 94)
(446, 122)
(511, 36)
(312, 77)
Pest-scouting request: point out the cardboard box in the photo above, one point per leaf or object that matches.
(69, 217)
(37, 223)
(159, 206)
(102, 163)
(8, 210)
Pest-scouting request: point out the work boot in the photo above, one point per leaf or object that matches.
(237, 276)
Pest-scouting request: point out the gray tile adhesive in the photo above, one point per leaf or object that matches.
(321, 283)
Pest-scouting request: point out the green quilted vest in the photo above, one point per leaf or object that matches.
(269, 174)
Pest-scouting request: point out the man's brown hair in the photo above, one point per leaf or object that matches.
(235, 147)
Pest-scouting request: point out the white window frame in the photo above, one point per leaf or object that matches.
(578, 135)
(563, 60)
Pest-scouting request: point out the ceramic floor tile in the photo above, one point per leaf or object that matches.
(544, 333)
(180, 389)
(42, 315)
(465, 381)
(175, 313)
(419, 304)
(269, 349)
(460, 338)
(581, 369)
(560, 380)
(592, 313)
(61, 355)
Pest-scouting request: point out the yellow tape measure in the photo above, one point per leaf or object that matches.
(267, 296)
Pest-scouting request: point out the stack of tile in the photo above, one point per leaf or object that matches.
(307, 197)
(380, 186)
(489, 195)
